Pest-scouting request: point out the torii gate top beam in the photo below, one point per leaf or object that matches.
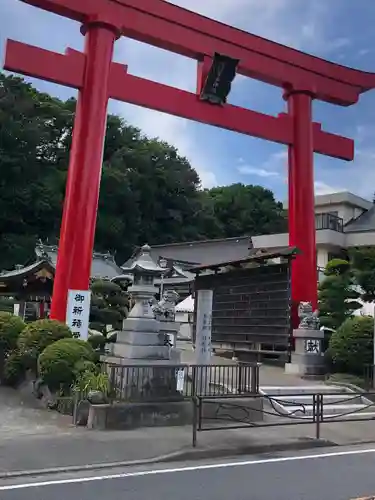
(179, 30)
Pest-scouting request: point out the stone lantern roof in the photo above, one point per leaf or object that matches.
(144, 264)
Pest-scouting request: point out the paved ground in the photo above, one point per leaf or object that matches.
(82, 448)
(32, 438)
(334, 476)
(21, 416)
(269, 375)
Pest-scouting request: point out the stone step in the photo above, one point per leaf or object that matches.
(332, 409)
(365, 415)
(328, 399)
(303, 389)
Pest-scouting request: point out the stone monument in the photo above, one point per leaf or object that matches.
(308, 357)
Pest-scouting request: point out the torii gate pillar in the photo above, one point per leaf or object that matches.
(85, 165)
(301, 203)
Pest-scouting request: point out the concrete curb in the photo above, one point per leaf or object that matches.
(177, 456)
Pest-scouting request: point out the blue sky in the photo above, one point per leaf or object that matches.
(339, 30)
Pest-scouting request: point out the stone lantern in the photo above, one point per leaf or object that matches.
(149, 366)
(140, 337)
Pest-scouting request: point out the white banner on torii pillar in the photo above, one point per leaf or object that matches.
(78, 312)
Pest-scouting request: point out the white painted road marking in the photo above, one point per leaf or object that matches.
(192, 468)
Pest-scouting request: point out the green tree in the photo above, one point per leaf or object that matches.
(109, 305)
(351, 346)
(148, 191)
(338, 296)
(242, 210)
(362, 260)
(32, 128)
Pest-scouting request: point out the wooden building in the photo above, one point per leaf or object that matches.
(30, 287)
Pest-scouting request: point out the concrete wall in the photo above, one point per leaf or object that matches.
(326, 241)
(271, 240)
(330, 238)
(322, 256)
(123, 416)
(366, 238)
(325, 238)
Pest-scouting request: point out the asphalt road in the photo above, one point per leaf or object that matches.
(333, 475)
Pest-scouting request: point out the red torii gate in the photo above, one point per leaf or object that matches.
(159, 23)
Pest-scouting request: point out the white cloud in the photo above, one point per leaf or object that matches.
(358, 176)
(362, 176)
(260, 172)
(363, 52)
(272, 167)
(321, 187)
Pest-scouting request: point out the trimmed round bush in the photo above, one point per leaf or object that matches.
(85, 366)
(97, 341)
(60, 362)
(14, 370)
(10, 328)
(351, 345)
(37, 336)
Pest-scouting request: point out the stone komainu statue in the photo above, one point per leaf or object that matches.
(165, 309)
(309, 319)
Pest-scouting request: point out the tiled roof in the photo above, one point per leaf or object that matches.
(261, 254)
(103, 264)
(201, 252)
(365, 222)
(23, 271)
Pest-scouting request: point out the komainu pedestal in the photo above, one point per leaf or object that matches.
(308, 357)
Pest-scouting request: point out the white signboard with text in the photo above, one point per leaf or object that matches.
(203, 327)
(78, 312)
(180, 378)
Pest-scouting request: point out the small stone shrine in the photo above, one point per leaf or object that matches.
(308, 357)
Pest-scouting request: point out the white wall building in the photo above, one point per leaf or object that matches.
(343, 220)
